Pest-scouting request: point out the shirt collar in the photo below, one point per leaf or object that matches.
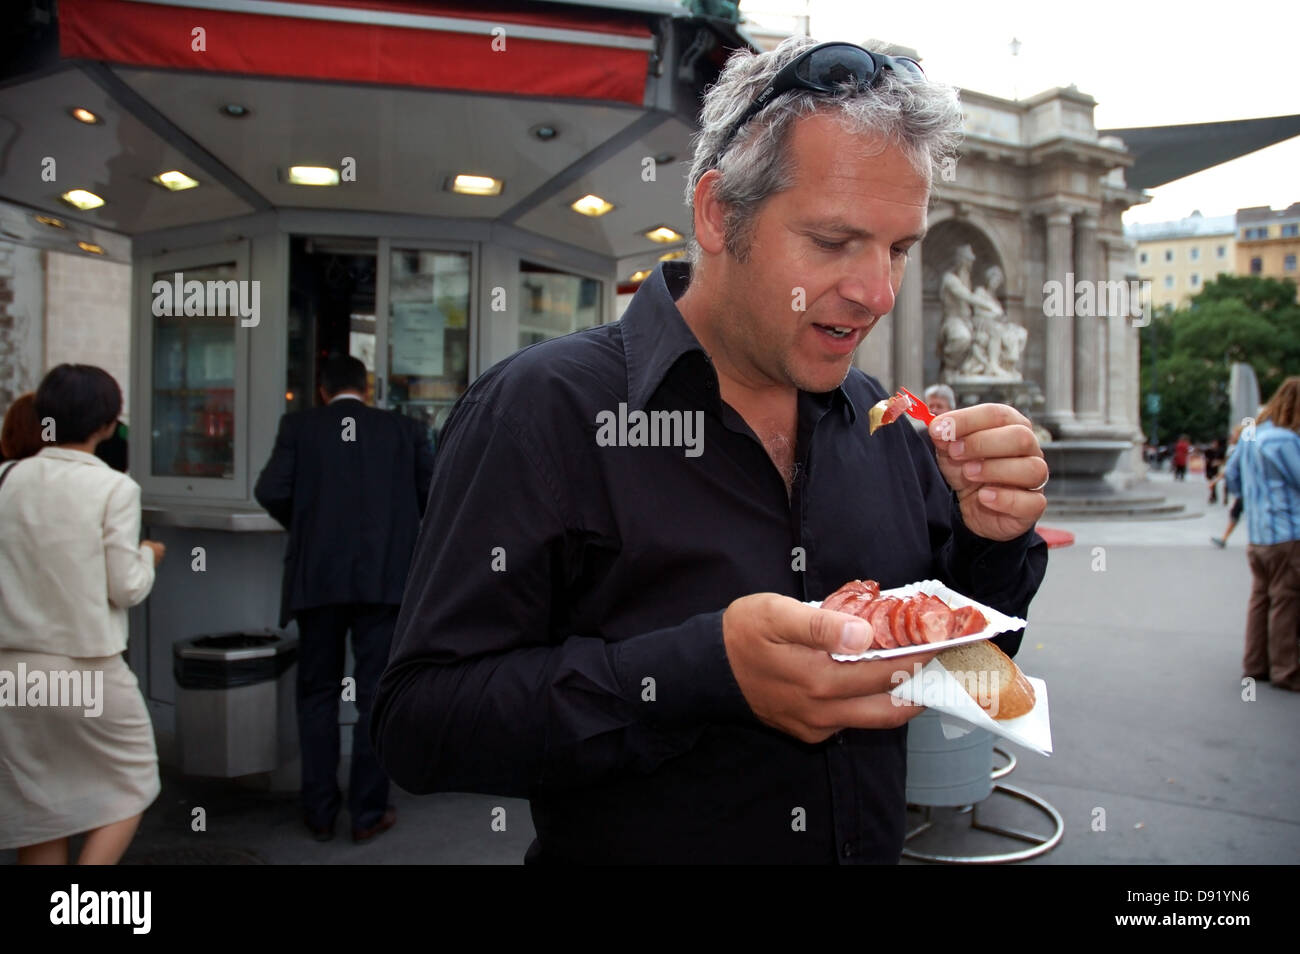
(65, 453)
(655, 336)
(345, 396)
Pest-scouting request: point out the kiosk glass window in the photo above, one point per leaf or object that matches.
(555, 303)
(428, 333)
(194, 375)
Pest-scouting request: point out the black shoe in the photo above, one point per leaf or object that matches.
(386, 822)
(1219, 542)
(321, 834)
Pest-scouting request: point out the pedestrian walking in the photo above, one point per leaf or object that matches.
(72, 563)
(1265, 471)
(349, 483)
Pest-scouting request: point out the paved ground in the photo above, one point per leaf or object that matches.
(1140, 644)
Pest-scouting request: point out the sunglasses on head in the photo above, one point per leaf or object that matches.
(823, 69)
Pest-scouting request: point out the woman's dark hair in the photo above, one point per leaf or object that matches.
(81, 399)
(20, 435)
(341, 372)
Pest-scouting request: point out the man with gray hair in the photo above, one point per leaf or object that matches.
(640, 659)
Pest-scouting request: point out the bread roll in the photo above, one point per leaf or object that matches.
(993, 680)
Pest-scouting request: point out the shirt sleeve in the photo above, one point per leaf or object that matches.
(128, 562)
(484, 690)
(1233, 472)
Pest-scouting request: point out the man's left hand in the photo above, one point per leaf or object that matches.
(990, 457)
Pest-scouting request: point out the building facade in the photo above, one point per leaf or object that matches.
(1268, 241)
(1179, 257)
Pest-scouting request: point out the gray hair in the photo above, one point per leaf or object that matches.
(943, 391)
(922, 118)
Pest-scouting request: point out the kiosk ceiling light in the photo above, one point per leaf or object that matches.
(592, 205)
(672, 256)
(235, 111)
(663, 234)
(51, 221)
(175, 181)
(91, 247)
(313, 176)
(467, 184)
(83, 115)
(545, 132)
(81, 199)
(641, 275)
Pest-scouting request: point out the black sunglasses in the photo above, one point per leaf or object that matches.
(823, 69)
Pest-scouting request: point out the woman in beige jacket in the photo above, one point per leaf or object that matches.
(77, 750)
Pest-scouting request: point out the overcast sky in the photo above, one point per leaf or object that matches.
(1146, 63)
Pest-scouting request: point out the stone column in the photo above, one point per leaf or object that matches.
(909, 328)
(1059, 328)
(1089, 379)
(1119, 365)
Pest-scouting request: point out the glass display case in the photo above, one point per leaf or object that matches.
(193, 398)
(555, 303)
(428, 333)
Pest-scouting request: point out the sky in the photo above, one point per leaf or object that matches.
(1146, 62)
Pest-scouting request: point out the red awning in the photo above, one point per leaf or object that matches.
(578, 53)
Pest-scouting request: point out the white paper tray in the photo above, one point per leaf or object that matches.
(997, 622)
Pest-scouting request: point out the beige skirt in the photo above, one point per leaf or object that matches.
(76, 746)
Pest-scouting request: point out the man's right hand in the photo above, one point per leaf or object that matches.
(158, 549)
(779, 652)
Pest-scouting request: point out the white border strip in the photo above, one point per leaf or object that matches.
(413, 21)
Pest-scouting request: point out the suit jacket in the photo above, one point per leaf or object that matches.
(349, 483)
(71, 560)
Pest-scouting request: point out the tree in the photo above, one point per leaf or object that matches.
(1234, 318)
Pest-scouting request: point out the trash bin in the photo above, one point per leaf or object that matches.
(235, 703)
(947, 772)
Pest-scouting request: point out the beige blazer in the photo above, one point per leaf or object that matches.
(71, 561)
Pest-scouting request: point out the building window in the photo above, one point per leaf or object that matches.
(555, 303)
(1290, 231)
(1257, 233)
(1256, 265)
(1169, 255)
(1169, 281)
(1143, 258)
(1194, 253)
(1221, 251)
(1288, 263)
(1196, 280)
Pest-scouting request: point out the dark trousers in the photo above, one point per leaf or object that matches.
(1273, 616)
(321, 657)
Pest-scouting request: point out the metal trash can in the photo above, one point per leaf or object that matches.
(947, 772)
(235, 711)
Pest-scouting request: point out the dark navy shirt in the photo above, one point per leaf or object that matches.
(560, 638)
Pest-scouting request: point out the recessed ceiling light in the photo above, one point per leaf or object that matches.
(313, 176)
(91, 247)
(672, 256)
(476, 185)
(663, 234)
(51, 221)
(83, 115)
(175, 181)
(545, 132)
(640, 276)
(664, 158)
(235, 111)
(81, 199)
(592, 205)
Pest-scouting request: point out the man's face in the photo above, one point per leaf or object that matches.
(938, 404)
(835, 243)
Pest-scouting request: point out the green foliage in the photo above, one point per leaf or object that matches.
(1234, 318)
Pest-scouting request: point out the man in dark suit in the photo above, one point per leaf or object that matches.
(349, 483)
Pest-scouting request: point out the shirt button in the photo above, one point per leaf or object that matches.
(839, 738)
(847, 850)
